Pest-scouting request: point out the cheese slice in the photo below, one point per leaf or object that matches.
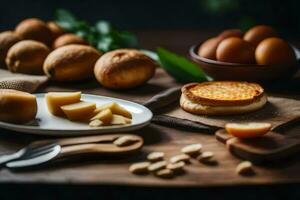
(80, 111)
(55, 100)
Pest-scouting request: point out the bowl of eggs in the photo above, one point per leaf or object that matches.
(256, 55)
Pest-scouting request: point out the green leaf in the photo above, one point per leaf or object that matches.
(104, 44)
(65, 19)
(102, 35)
(103, 27)
(64, 15)
(128, 39)
(180, 68)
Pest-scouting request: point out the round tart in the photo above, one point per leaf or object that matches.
(222, 97)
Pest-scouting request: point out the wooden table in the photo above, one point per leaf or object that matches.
(96, 171)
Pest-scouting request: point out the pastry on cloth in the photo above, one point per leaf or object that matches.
(222, 97)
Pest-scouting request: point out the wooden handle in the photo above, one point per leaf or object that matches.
(89, 139)
(81, 140)
(100, 148)
(77, 149)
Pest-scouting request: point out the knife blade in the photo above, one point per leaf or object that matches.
(163, 99)
(168, 97)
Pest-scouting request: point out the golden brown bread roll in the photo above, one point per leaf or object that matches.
(66, 39)
(124, 68)
(55, 29)
(34, 29)
(17, 106)
(73, 62)
(7, 39)
(27, 57)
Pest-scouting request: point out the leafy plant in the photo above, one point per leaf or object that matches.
(102, 35)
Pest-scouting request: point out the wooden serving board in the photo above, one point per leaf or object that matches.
(270, 147)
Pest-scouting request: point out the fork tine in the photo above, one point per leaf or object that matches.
(38, 146)
(21, 163)
(32, 149)
(29, 151)
(38, 151)
(37, 154)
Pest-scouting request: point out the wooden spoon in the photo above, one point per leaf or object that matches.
(102, 145)
(102, 148)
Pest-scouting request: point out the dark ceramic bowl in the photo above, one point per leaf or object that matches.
(244, 72)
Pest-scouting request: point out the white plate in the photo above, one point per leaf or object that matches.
(47, 124)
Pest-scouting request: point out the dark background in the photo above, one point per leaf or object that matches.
(163, 14)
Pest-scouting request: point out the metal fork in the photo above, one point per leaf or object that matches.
(27, 152)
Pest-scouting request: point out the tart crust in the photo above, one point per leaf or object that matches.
(223, 93)
(222, 98)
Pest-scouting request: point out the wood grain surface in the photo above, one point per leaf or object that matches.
(108, 171)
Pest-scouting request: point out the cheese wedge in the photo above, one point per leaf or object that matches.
(249, 130)
(105, 116)
(96, 123)
(55, 100)
(120, 120)
(115, 109)
(80, 111)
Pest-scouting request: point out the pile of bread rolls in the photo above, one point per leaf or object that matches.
(37, 47)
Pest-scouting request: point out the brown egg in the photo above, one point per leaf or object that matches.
(208, 48)
(272, 51)
(230, 33)
(235, 50)
(258, 33)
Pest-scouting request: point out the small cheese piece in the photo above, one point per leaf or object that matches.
(16, 106)
(120, 120)
(105, 116)
(96, 123)
(115, 109)
(80, 111)
(55, 100)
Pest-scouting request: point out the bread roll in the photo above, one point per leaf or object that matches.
(124, 68)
